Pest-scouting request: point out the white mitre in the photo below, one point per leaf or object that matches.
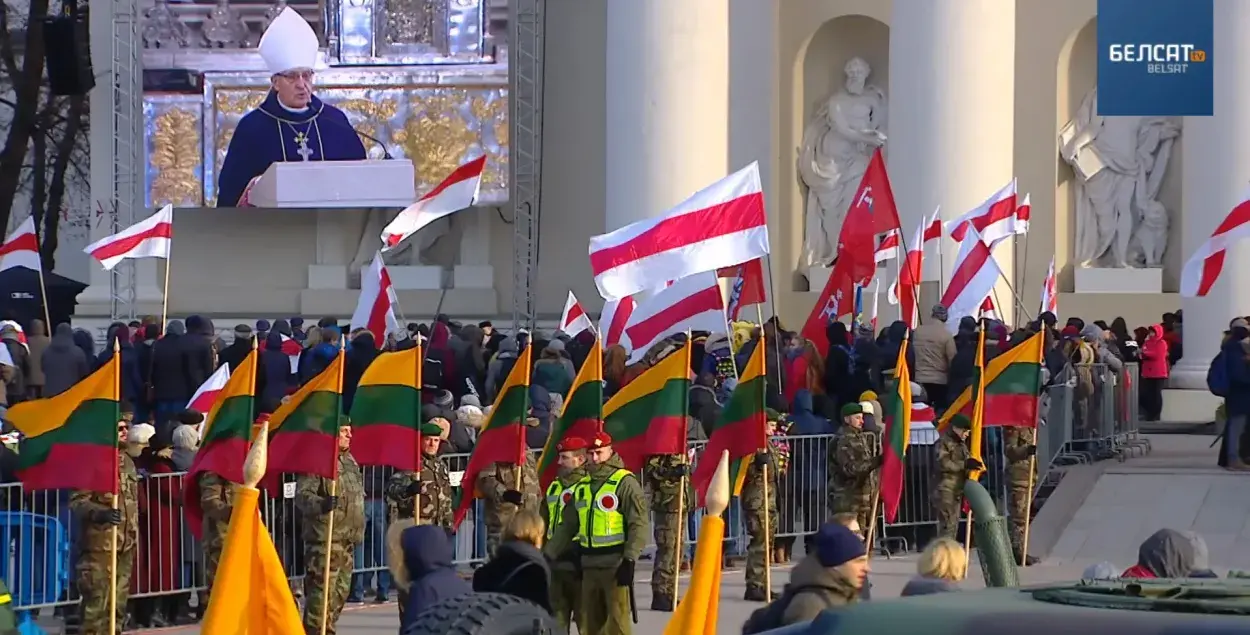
(289, 43)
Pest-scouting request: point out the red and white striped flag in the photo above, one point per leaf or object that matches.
(292, 349)
(458, 191)
(151, 237)
(574, 319)
(1023, 213)
(988, 312)
(910, 272)
(693, 303)
(887, 249)
(21, 335)
(613, 318)
(747, 288)
(21, 248)
(995, 219)
(206, 395)
(375, 310)
(976, 273)
(1204, 267)
(1050, 294)
(876, 303)
(720, 226)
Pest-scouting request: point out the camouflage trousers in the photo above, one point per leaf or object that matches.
(315, 593)
(668, 535)
(858, 503)
(1018, 508)
(946, 505)
(757, 548)
(605, 606)
(566, 591)
(94, 581)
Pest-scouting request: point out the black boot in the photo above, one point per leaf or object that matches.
(755, 594)
(663, 602)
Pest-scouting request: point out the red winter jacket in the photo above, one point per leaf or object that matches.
(1154, 354)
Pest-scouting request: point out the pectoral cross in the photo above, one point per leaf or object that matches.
(304, 151)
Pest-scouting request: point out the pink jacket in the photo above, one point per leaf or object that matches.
(1154, 354)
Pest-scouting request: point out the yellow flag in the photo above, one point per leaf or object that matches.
(251, 595)
(978, 410)
(698, 610)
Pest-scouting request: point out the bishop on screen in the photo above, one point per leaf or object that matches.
(291, 124)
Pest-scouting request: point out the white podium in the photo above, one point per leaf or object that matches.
(336, 184)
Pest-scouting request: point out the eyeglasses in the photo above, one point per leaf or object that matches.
(306, 75)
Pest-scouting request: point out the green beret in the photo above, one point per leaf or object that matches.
(431, 429)
(961, 422)
(852, 408)
(772, 415)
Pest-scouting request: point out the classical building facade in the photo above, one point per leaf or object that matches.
(650, 100)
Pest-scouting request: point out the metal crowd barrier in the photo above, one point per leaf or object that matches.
(1078, 424)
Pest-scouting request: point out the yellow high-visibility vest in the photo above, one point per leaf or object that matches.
(557, 497)
(601, 523)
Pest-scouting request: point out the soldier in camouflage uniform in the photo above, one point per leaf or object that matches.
(954, 461)
(315, 503)
(665, 474)
(754, 507)
(434, 484)
(98, 517)
(497, 487)
(566, 575)
(1019, 449)
(854, 463)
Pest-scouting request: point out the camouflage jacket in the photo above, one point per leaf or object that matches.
(753, 487)
(349, 514)
(493, 481)
(1016, 442)
(663, 486)
(97, 537)
(435, 493)
(952, 456)
(216, 497)
(852, 458)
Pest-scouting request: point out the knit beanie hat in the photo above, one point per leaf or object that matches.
(836, 545)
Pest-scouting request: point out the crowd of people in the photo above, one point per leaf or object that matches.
(829, 397)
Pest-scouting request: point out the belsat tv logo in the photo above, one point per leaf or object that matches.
(1159, 59)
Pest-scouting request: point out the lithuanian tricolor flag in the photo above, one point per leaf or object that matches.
(304, 431)
(897, 435)
(227, 436)
(386, 412)
(648, 415)
(502, 438)
(582, 415)
(1013, 382)
(741, 429)
(70, 441)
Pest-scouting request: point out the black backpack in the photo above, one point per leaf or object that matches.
(769, 617)
(432, 375)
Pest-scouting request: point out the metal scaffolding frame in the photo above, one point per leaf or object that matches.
(127, 85)
(526, 25)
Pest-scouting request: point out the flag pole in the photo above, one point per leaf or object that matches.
(416, 414)
(117, 466)
(520, 466)
(975, 441)
(334, 482)
(43, 293)
(169, 258)
(772, 299)
(681, 483)
(768, 540)
(876, 495)
(1028, 505)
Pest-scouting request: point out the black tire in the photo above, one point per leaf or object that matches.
(484, 614)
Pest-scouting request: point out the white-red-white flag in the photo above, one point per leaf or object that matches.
(1204, 267)
(375, 310)
(21, 335)
(876, 303)
(612, 320)
(458, 191)
(720, 226)
(292, 349)
(976, 272)
(21, 248)
(1050, 294)
(905, 290)
(995, 219)
(888, 248)
(988, 311)
(574, 319)
(206, 395)
(693, 303)
(151, 237)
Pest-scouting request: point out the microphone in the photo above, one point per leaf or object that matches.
(386, 154)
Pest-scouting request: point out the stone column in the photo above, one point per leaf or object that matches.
(1215, 174)
(952, 117)
(667, 104)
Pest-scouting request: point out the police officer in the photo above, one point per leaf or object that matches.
(954, 461)
(1019, 449)
(566, 577)
(665, 475)
(315, 502)
(433, 484)
(99, 516)
(854, 461)
(608, 521)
